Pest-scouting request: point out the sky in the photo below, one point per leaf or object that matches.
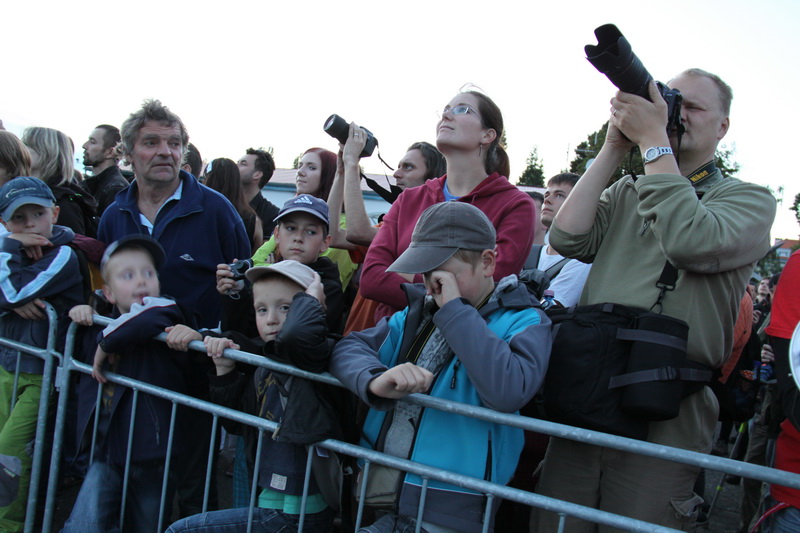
(268, 74)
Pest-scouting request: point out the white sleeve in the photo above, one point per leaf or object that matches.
(568, 284)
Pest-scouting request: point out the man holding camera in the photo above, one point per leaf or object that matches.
(712, 229)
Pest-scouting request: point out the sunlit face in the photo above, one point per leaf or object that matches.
(301, 236)
(32, 218)
(247, 169)
(463, 131)
(130, 276)
(554, 197)
(701, 115)
(474, 281)
(309, 174)
(93, 151)
(271, 299)
(411, 170)
(157, 152)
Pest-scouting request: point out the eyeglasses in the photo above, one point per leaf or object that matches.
(461, 109)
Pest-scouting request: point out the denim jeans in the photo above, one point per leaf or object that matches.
(784, 521)
(97, 509)
(264, 521)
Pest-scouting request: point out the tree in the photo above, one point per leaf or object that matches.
(796, 207)
(533, 175)
(588, 149)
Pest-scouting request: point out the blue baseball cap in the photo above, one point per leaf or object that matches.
(307, 204)
(23, 191)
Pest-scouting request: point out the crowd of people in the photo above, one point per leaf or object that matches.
(433, 299)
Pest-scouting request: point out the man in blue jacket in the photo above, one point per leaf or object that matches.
(197, 227)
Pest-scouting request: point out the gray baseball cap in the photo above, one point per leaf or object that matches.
(440, 232)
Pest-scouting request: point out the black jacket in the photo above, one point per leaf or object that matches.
(105, 186)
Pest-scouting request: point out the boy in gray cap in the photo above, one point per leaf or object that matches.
(34, 266)
(463, 339)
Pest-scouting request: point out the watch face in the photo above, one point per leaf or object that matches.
(651, 153)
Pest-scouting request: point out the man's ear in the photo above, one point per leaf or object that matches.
(326, 242)
(56, 211)
(257, 175)
(724, 126)
(109, 294)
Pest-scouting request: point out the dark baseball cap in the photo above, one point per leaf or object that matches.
(306, 204)
(136, 240)
(440, 232)
(23, 191)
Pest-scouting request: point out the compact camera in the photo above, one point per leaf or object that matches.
(239, 268)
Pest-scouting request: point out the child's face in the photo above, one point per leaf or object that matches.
(474, 282)
(271, 299)
(32, 218)
(130, 276)
(301, 236)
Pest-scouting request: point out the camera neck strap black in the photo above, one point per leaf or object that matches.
(700, 175)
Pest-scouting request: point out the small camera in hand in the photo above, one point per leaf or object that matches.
(239, 268)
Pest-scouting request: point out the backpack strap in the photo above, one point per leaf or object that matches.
(533, 257)
(553, 271)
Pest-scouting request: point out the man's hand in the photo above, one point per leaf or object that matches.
(214, 348)
(179, 337)
(442, 286)
(82, 315)
(97, 366)
(33, 310)
(32, 244)
(400, 381)
(642, 121)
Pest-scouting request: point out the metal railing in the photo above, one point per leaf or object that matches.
(493, 491)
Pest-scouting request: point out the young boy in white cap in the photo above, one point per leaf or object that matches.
(290, 320)
(463, 339)
(34, 266)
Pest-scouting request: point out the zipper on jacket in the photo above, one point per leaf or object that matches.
(455, 371)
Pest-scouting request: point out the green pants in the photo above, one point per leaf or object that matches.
(17, 432)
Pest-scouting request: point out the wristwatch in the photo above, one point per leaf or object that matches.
(654, 152)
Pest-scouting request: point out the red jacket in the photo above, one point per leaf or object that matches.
(511, 211)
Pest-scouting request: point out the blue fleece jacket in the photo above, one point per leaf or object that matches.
(197, 232)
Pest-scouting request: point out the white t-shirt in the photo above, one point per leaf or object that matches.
(568, 284)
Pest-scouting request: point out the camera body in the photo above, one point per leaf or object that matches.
(614, 57)
(239, 268)
(339, 128)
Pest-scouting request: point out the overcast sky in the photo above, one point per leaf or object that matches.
(269, 73)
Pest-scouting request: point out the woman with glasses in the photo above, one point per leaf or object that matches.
(468, 134)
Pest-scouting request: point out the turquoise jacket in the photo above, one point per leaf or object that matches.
(500, 358)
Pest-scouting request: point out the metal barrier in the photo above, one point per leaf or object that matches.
(491, 490)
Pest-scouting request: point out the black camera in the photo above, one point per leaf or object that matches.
(614, 57)
(338, 128)
(239, 268)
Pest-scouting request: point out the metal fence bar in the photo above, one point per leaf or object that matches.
(492, 490)
(128, 453)
(41, 423)
(165, 482)
(210, 463)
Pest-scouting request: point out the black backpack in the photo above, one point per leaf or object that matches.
(536, 280)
